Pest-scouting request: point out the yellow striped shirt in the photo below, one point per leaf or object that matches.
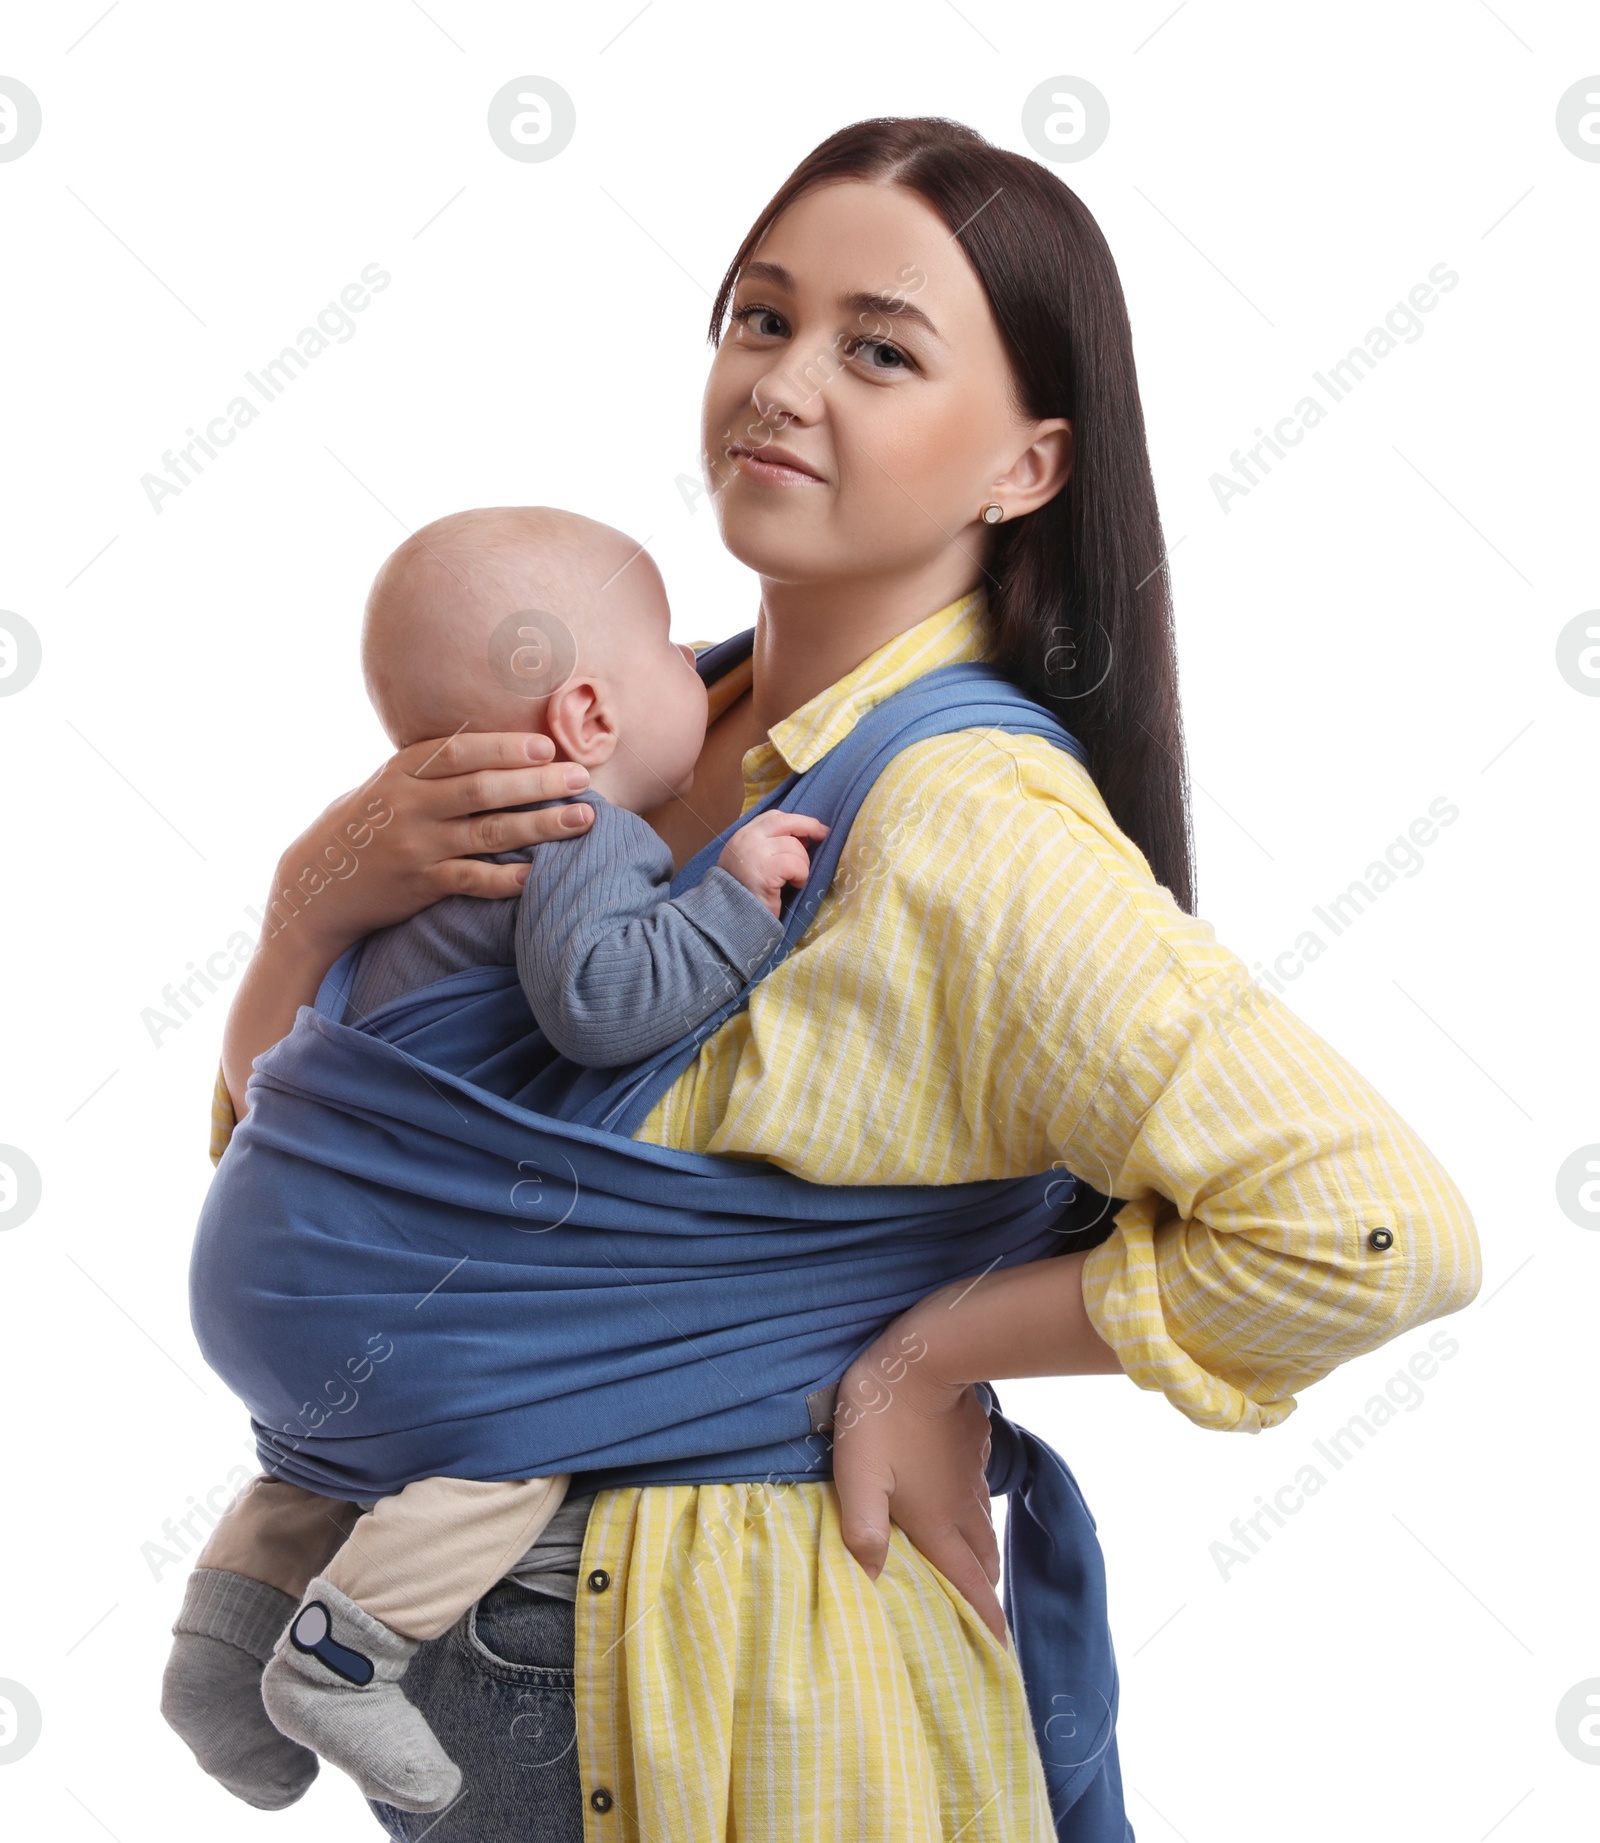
(994, 985)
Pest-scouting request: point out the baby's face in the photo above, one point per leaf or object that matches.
(660, 703)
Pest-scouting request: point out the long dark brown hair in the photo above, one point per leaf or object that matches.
(1079, 600)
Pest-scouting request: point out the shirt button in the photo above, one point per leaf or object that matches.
(601, 1799)
(1381, 1239)
(599, 1581)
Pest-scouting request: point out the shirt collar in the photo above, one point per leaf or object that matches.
(800, 740)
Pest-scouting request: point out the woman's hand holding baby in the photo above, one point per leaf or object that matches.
(417, 828)
(767, 852)
(412, 832)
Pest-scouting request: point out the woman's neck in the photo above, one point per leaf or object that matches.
(809, 635)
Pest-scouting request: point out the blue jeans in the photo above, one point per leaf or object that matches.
(497, 1689)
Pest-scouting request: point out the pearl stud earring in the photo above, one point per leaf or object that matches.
(993, 514)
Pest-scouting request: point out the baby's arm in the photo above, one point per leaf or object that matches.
(450, 935)
(613, 967)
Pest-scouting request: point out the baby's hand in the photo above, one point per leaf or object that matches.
(766, 853)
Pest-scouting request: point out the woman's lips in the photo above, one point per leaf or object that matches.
(773, 466)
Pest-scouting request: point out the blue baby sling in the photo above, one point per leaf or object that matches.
(433, 1249)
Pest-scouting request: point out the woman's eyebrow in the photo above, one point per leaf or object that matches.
(866, 302)
(889, 307)
(773, 272)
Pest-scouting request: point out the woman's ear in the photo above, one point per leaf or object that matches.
(1039, 472)
(578, 719)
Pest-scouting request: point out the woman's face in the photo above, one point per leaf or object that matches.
(861, 408)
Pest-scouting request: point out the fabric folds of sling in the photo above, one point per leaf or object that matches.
(432, 1248)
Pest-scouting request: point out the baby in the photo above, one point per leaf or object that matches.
(506, 619)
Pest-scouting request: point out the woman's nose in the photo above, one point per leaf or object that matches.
(792, 392)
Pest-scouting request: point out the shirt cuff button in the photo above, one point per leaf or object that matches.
(601, 1799)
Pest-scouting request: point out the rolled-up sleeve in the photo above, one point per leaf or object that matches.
(1279, 1217)
(1284, 1219)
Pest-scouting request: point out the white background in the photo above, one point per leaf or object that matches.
(1373, 627)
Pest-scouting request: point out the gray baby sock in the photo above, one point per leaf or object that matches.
(211, 1690)
(334, 1684)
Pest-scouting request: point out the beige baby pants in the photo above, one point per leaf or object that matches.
(416, 1560)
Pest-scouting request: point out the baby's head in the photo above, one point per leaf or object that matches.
(526, 618)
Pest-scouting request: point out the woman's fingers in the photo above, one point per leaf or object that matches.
(489, 832)
(952, 1555)
(911, 1447)
(471, 876)
(955, 1552)
(469, 786)
(864, 1518)
(474, 751)
(474, 777)
(977, 1530)
(485, 790)
(413, 837)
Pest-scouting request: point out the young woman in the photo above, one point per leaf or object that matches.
(923, 427)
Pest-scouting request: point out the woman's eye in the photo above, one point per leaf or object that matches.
(762, 321)
(880, 355)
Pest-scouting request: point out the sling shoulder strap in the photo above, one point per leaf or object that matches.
(966, 695)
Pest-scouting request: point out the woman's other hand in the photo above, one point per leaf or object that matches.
(387, 850)
(911, 1449)
(911, 1439)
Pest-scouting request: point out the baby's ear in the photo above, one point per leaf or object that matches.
(577, 719)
